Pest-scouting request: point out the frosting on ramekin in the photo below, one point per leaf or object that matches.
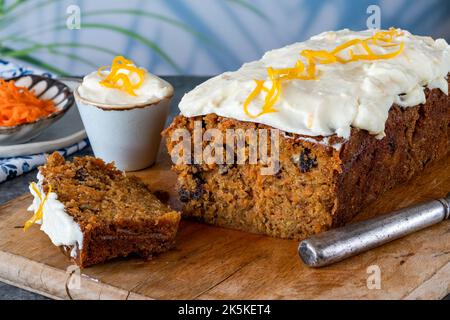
(152, 90)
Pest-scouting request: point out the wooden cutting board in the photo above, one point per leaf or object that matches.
(215, 263)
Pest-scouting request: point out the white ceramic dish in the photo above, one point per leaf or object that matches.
(129, 136)
(67, 131)
(44, 88)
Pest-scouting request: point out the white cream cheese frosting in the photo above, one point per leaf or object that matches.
(56, 223)
(152, 90)
(357, 94)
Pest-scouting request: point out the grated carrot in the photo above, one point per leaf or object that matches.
(384, 39)
(19, 105)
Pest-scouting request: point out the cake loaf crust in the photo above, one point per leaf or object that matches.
(322, 182)
(414, 138)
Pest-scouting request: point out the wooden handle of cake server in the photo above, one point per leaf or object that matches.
(335, 245)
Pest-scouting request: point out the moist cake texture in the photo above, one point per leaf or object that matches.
(116, 215)
(319, 185)
(347, 137)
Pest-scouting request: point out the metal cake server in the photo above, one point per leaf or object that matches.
(335, 245)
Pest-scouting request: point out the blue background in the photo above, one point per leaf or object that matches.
(201, 37)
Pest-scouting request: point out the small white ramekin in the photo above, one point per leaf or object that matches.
(129, 136)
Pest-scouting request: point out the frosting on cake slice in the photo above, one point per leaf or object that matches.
(58, 225)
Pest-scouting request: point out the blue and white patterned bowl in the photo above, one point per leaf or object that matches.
(44, 88)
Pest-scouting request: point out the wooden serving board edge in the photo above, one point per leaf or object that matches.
(52, 282)
(40, 279)
(42, 293)
(433, 288)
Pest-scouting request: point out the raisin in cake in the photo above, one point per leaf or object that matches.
(95, 212)
(357, 114)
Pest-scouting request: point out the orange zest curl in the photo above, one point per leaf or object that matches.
(19, 105)
(40, 211)
(117, 79)
(383, 39)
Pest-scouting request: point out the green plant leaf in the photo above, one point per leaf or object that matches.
(74, 58)
(135, 12)
(151, 15)
(10, 19)
(252, 8)
(51, 49)
(5, 51)
(137, 37)
(2, 8)
(117, 29)
(13, 6)
(57, 45)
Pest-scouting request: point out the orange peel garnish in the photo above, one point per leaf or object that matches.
(383, 39)
(40, 211)
(117, 79)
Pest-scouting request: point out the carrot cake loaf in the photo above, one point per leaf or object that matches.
(355, 113)
(95, 213)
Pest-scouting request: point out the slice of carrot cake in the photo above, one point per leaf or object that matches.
(95, 213)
